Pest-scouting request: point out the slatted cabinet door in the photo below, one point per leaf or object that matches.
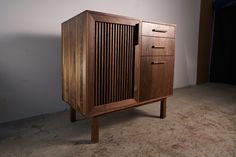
(112, 62)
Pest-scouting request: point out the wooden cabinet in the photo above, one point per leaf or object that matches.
(112, 62)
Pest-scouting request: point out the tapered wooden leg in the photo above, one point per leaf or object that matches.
(72, 115)
(94, 130)
(163, 108)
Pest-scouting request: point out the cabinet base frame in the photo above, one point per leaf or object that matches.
(95, 123)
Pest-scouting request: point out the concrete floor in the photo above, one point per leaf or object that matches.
(201, 122)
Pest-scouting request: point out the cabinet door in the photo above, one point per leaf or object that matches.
(156, 77)
(113, 54)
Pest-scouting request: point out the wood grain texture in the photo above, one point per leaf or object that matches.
(156, 77)
(111, 18)
(64, 61)
(73, 62)
(68, 62)
(155, 46)
(102, 67)
(121, 105)
(98, 60)
(112, 62)
(167, 31)
(111, 59)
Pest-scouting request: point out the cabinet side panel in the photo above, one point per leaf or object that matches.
(68, 62)
(72, 46)
(81, 56)
(65, 62)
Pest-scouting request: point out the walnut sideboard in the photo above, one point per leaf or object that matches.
(112, 62)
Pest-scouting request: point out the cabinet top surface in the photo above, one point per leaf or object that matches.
(102, 14)
(119, 16)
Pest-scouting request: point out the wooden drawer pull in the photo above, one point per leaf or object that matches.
(158, 47)
(159, 30)
(158, 62)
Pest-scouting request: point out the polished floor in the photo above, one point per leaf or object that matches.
(201, 122)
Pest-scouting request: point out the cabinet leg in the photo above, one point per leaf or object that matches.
(163, 108)
(94, 130)
(72, 115)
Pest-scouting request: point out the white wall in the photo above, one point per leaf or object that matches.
(30, 47)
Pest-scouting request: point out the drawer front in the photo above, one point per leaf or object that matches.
(158, 30)
(156, 77)
(154, 46)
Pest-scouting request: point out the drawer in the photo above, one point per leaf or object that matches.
(154, 46)
(158, 30)
(156, 77)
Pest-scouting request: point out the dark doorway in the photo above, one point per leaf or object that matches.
(223, 59)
